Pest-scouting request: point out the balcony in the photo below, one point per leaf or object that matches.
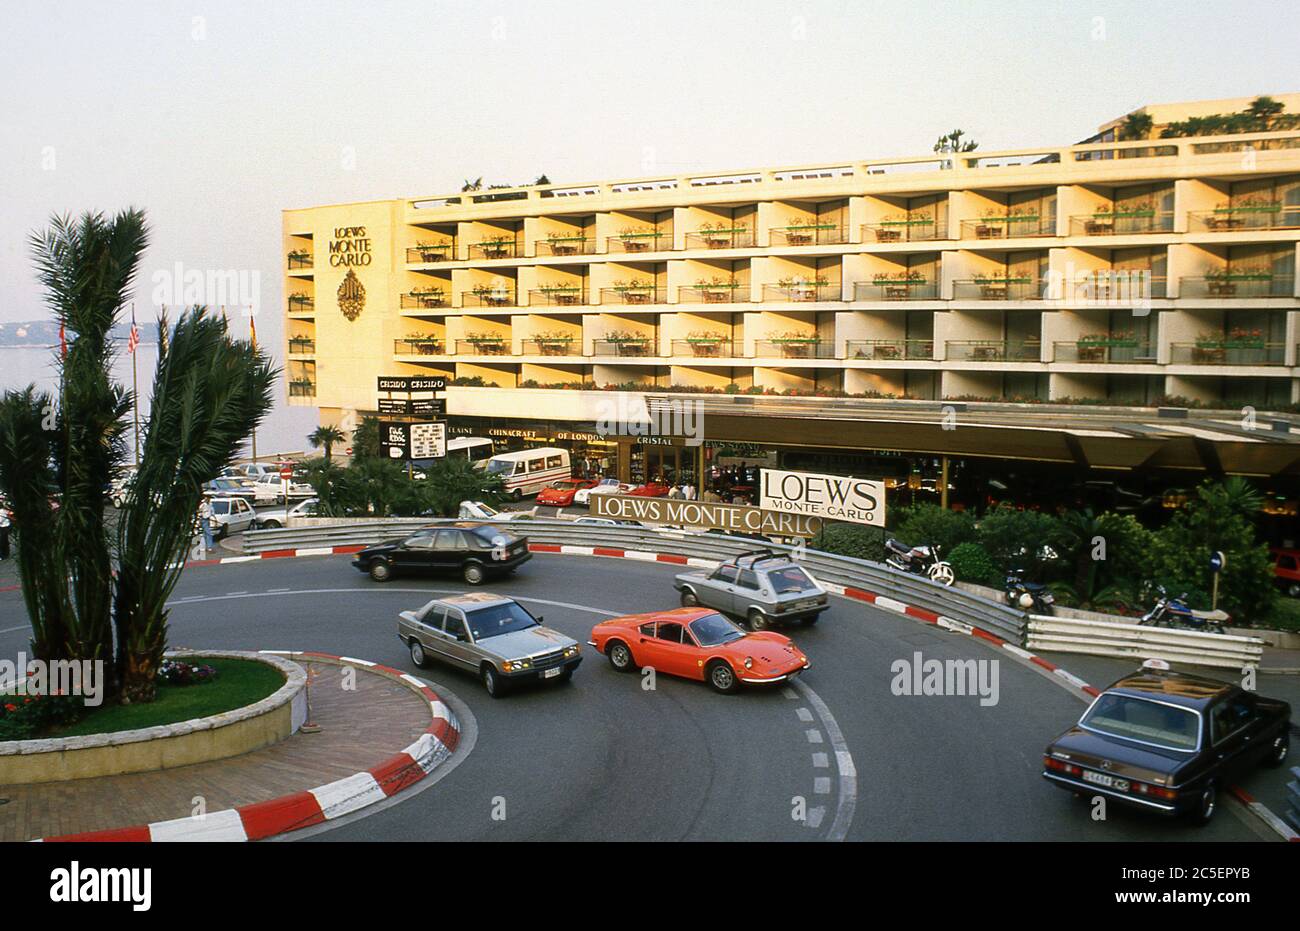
(803, 292)
(302, 388)
(1272, 215)
(911, 229)
(1008, 227)
(717, 292)
(1122, 223)
(420, 346)
(896, 289)
(431, 252)
(495, 249)
(633, 294)
(708, 347)
(889, 350)
(553, 346)
(483, 346)
(566, 245)
(794, 347)
(1118, 287)
(993, 350)
(557, 296)
(809, 234)
(302, 346)
(423, 299)
(625, 346)
(1233, 285)
(1104, 350)
(488, 297)
(299, 259)
(723, 237)
(1228, 351)
(301, 303)
(998, 288)
(640, 241)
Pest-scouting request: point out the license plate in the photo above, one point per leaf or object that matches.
(552, 673)
(1102, 779)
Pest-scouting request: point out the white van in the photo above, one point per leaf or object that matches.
(477, 449)
(530, 470)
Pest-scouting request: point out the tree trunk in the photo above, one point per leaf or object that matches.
(140, 676)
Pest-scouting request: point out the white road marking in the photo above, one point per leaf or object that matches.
(822, 785)
(847, 801)
(805, 715)
(790, 694)
(814, 736)
(821, 760)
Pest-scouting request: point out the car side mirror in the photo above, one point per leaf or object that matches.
(541, 619)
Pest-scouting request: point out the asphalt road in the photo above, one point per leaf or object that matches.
(605, 758)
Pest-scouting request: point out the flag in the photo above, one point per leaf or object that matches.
(134, 339)
(63, 341)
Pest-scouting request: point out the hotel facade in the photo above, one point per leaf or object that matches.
(1052, 300)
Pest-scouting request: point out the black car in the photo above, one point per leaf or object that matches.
(475, 551)
(1169, 742)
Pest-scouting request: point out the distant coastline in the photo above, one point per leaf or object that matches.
(37, 333)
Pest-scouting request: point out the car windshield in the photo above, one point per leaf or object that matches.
(498, 466)
(565, 484)
(497, 619)
(714, 629)
(790, 579)
(493, 537)
(1148, 721)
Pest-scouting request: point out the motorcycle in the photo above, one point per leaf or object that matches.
(1174, 612)
(1028, 596)
(920, 560)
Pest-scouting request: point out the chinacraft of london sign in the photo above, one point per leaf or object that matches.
(732, 518)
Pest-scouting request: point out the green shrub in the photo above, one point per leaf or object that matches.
(851, 540)
(972, 563)
(1016, 540)
(931, 525)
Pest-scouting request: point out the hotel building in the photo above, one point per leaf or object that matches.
(1047, 303)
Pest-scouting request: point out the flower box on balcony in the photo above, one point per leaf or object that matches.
(554, 345)
(566, 245)
(640, 242)
(432, 252)
(496, 248)
(487, 345)
(426, 345)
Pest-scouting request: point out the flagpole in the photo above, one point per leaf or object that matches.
(135, 389)
(252, 331)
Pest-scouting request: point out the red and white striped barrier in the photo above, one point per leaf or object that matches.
(321, 804)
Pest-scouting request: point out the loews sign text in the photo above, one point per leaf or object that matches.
(350, 246)
(732, 518)
(831, 497)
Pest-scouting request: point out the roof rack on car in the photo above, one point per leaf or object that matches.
(757, 556)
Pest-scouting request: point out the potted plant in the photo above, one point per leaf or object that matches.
(635, 291)
(554, 343)
(426, 345)
(794, 345)
(628, 344)
(562, 293)
(716, 290)
(565, 243)
(722, 234)
(432, 251)
(705, 343)
(496, 247)
(300, 299)
(1218, 282)
(298, 257)
(801, 288)
(802, 232)
(429, 296)
(638, 239)
(488, 344)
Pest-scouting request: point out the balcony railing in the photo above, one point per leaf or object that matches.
(1237, 285)
(624, 347)
(1113, 350)
(794, 347)
(993, 350)
(1014, 227)
(484, 346)
(1009, 288)
(299, 261)
(812, 234)
(739, 237)
(727, 293)
(802, 293)
(1122, 223)
(1228, 351)
(495, 249)
(435, 252)
(301, 304)
(896, 289)
(1118, 287)
(1245, 217)
(420, 346)
(496, 297)
(566, 245)
(422, 300)
(302, 388)
(709, 348)
(889, 350)
(302, 346)
(557, 297)
(649, 241)
(553, 346)
(632, 295)
(912, 229)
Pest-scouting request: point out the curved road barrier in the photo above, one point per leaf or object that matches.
(1102, 638)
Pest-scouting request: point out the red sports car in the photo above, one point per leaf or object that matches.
(560, 494)
(651, 490)
(698, 643)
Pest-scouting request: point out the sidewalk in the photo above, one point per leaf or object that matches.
(360, 729)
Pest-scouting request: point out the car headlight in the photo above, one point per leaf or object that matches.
(749, 662)
(572, 651)
(515, 665)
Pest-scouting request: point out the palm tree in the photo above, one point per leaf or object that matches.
(953, 142)
(326, 437)
(453, 480)
(1240, 497)
(1264, 110)
(475, 185)
(1137, 125)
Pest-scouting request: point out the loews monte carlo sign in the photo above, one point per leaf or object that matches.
(732, 518)
(350, 249)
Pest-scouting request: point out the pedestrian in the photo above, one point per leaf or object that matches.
(4, 534)
(688, 491)
(205, 523)
(675, 492)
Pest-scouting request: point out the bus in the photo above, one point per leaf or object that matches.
(477, 449)
(528, 471)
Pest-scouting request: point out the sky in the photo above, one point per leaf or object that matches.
(215, 116)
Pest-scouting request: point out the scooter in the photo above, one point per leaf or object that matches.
(1174, 612)
(920, 560)
(1028, 596)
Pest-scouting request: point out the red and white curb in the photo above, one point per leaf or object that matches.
(315, 806)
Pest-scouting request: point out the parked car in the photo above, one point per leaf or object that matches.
(272, 520)
(256, 470)
(561, 494)
(230, 488)
(273, 486)
(476, 551)
(1286, 570)
(231, 515)
(605, 486)
(478, 510)
(762, 586)
(492, 636)
(698, 643)
(1169, 742)
(651, 490)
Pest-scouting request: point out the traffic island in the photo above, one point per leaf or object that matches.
(374, 741)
